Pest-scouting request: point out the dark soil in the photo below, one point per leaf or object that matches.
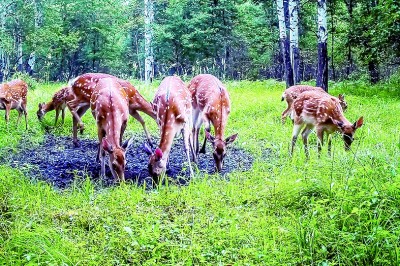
(57, 162)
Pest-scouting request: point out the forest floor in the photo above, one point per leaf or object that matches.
(264, 208)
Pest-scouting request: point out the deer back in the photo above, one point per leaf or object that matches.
(172, 103)
(16, 91)
(211, 97)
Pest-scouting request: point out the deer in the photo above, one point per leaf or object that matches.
(82, 89)
(291, 93)
(109, 106)
(172, 105)
(57, 103)
(313, 109)
(211, 105)
(13, 96)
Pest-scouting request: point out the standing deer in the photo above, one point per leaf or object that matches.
(320, 110)
(13, 96)
(172, 105)
(109, 105)
(57, 103)
(211, 105)
(82, 89)
(291, 93)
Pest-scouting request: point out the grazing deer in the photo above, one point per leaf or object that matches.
(211, 105)
(291, 93)
(13, 96)
(82, 89)
(109, 107)
(172, 105)
(322, 111)
(57, 103)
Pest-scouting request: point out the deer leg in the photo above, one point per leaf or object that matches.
(123, 127)
(295, 134)
(196, 129)
(19, 116)
(329, 144)
(25, 114)
(306, 132)
(63, 115)
(75, 110)
(82, 110)
(285, 113)
(137, 116)
(75, 131)
(207, 128)
(320, 135)
(7, 115)
(57, 114)
(186, 136)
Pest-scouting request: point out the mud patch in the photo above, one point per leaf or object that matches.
(57, 162)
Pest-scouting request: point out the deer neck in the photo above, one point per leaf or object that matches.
(49, 107)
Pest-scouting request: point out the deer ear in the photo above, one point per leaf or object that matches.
(158, 154)
(209, 137)
(231, 139)
(147, 149)
(107, 146)
(127, 143)
(358, 123)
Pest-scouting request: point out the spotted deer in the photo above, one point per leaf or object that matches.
(109, 105)
(82, 89)
(211, 105)
(291, 93)
(13, 96)
(172, 105)
(57, 103)
(321, 111)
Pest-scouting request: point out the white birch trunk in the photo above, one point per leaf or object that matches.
(294, 38)
(284, 44)
(148, 36)
(322, 74)
(19, 51)
(322, 22)
(281, 19)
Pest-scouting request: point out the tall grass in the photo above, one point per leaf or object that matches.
(329, 210)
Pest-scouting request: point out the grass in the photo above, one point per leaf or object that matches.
(329, 211)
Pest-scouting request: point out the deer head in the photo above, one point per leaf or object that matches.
(41, 112)
(219, 148)
(348, 131)
(117, 162)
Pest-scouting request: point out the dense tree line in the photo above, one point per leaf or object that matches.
(59, 39)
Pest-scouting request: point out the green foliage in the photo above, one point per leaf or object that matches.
(327, 211)
(32, 83)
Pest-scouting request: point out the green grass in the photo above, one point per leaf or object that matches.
(334, 210)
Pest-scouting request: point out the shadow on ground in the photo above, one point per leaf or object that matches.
(57, 162)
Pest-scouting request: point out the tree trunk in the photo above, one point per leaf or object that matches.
(284, 44)
(294, 39)
(30, 67)
(373, 71)
(148, 36)
(20, 66)
(322, 73)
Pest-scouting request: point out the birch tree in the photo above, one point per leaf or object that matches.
(294, 39)
(148, 36)
(322, 73)
(284, 44)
